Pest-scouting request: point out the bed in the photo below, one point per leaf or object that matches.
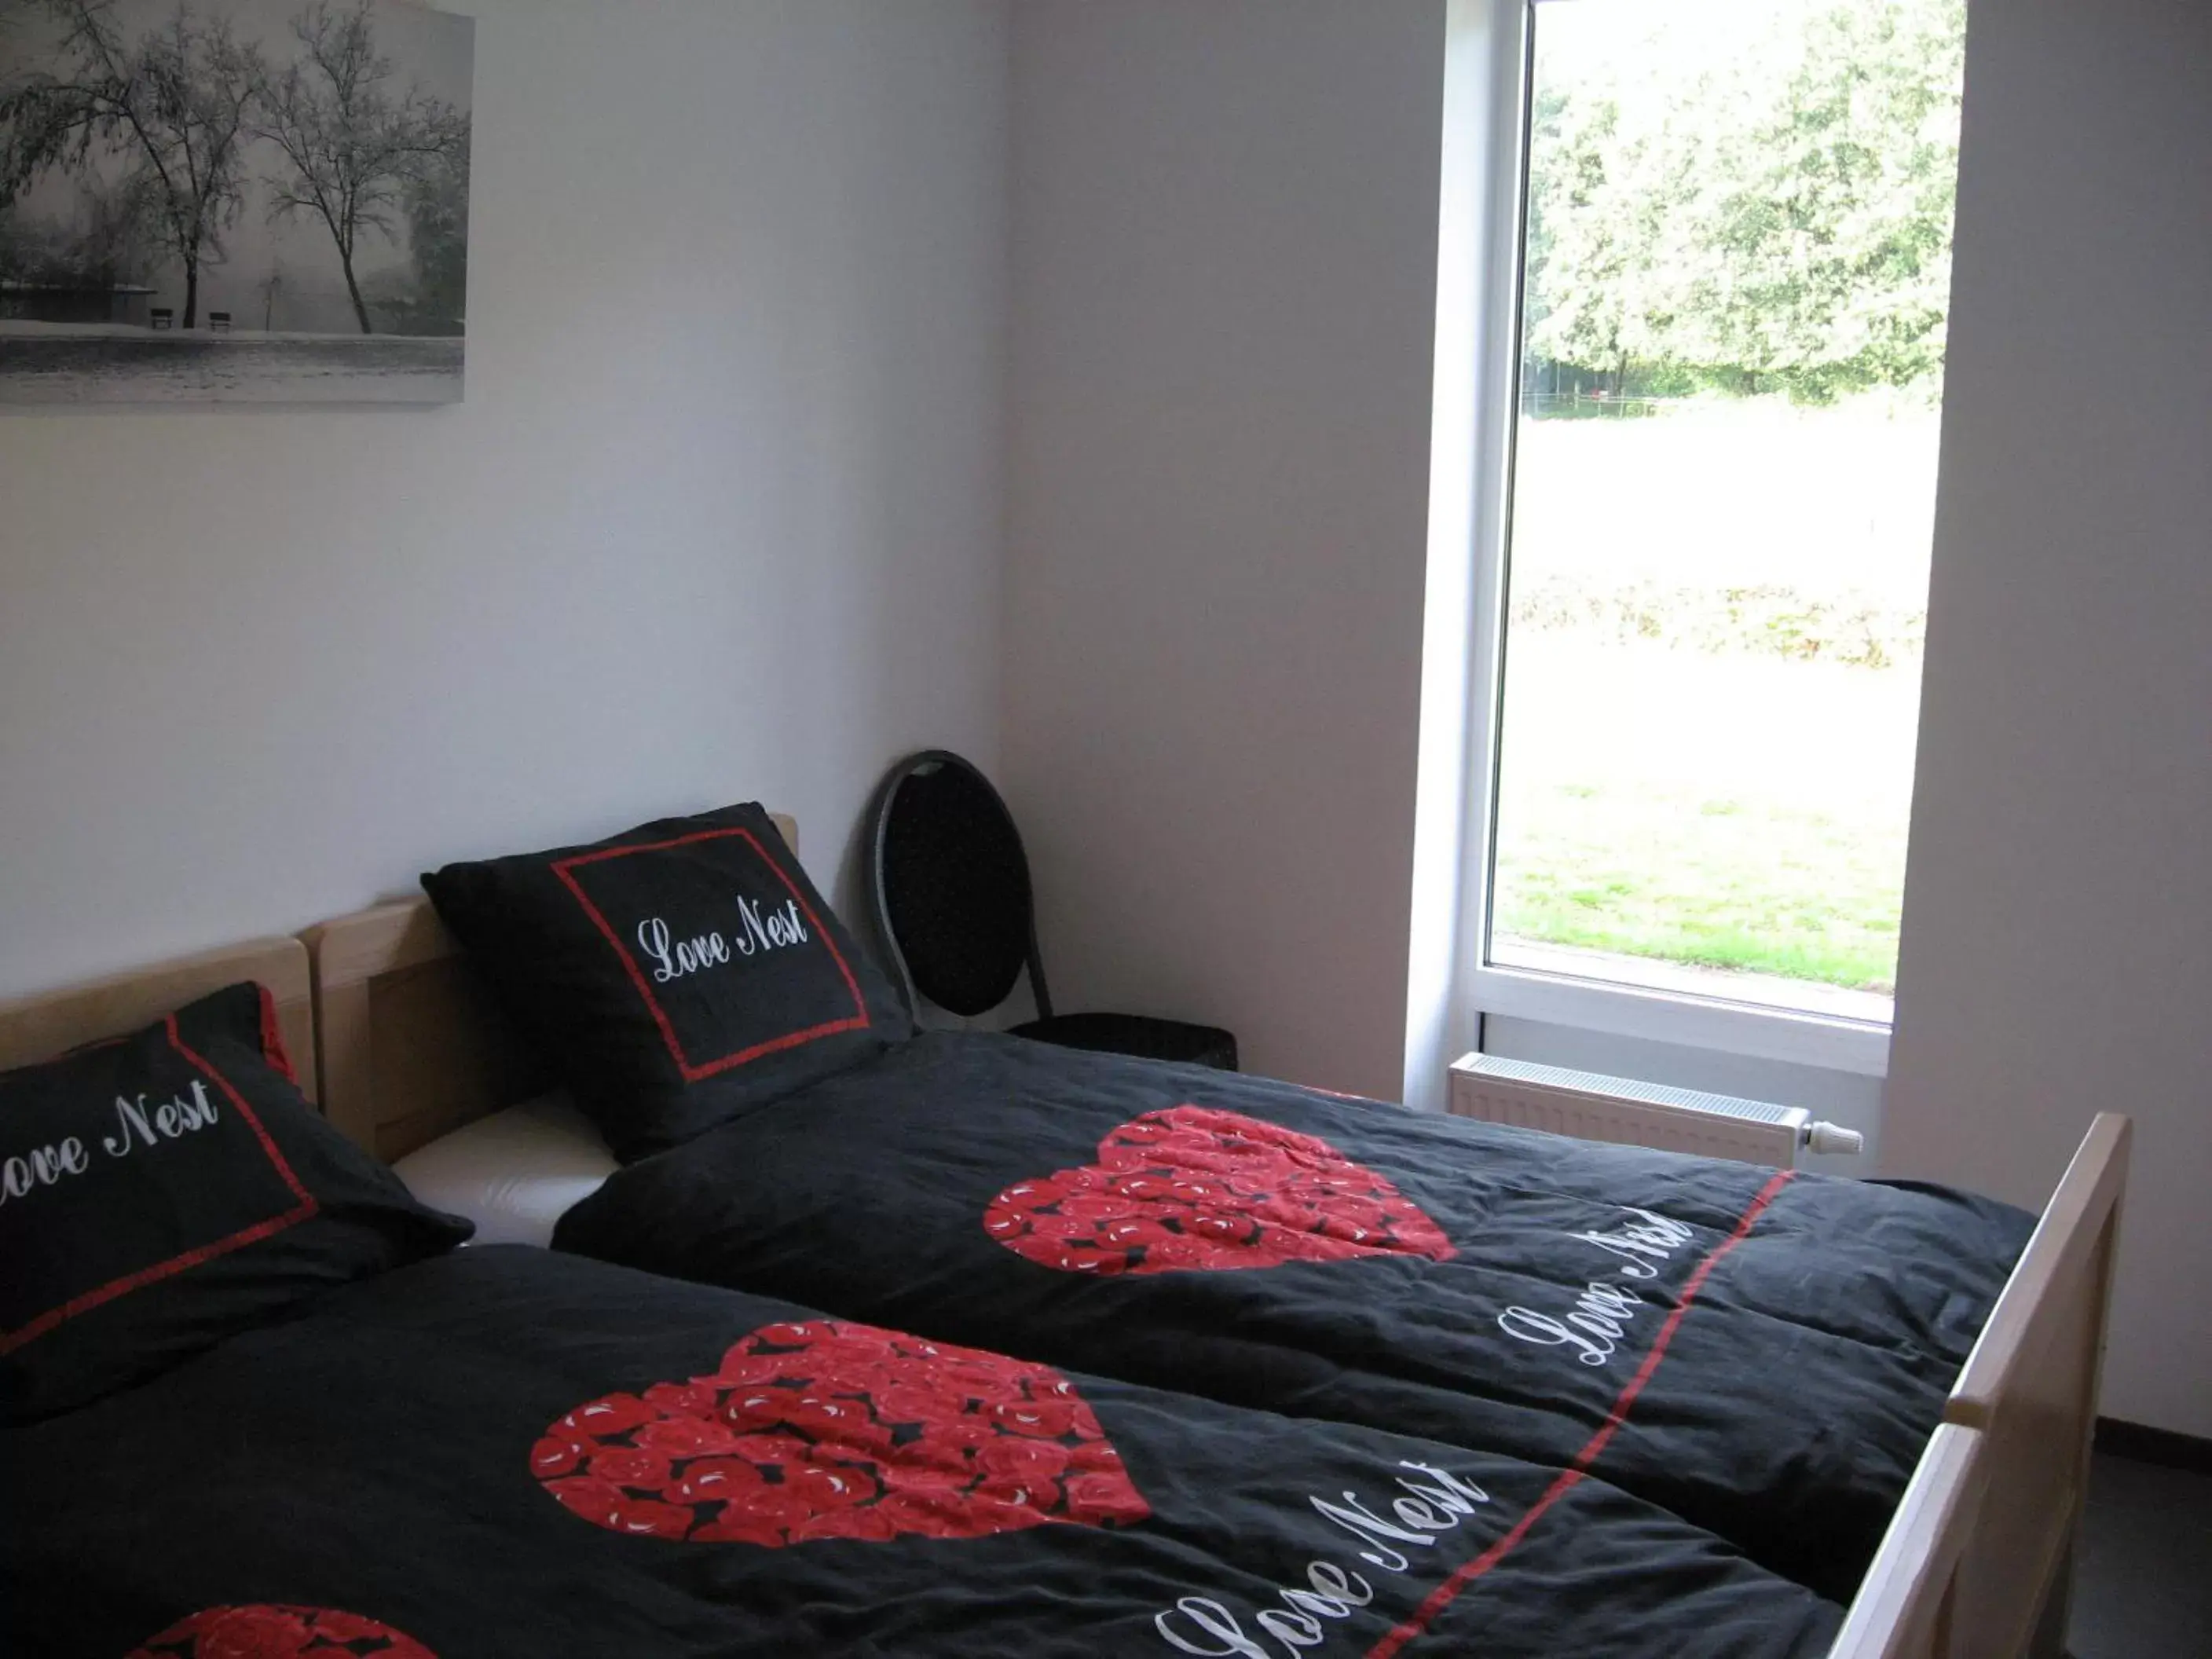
(499, 1449)
(1981, 1432)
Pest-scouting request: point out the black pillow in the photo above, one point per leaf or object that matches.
(678, 974)
(167, 1189)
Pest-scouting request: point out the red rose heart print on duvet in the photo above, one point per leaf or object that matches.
(820, 1429)
(1191, 1188)
(279, 1632)
(505, 1453)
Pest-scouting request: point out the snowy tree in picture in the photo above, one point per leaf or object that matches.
(233, 200)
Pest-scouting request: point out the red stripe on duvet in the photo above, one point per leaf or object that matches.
(1446, 1593)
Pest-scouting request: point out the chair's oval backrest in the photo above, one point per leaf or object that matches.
(952, 883)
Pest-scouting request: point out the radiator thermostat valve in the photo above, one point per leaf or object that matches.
(1833, 1138)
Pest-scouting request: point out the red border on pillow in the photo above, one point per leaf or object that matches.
(272, 1038)
(696, 1073)
(11, 1341)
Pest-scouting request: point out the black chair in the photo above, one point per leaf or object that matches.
(952, 898)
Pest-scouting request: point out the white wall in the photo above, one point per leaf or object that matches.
(1224, 236)
(1225, 255)
(719, 518)
(2058, 896)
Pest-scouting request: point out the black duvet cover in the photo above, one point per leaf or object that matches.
(508, 1452)
(1762, 1354)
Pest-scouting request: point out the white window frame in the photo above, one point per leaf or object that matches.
(1833, 1044)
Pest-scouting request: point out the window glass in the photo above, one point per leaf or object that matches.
(1735, 272)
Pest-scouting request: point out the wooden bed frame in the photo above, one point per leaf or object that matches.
(1978, 1562)
(36, 1028)
(1975, 1564)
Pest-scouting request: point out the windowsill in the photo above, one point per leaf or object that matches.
(1838, 1030)
(1762, 991)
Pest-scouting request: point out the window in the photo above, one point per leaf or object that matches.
(1733, 267)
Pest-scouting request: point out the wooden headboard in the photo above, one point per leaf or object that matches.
(36, 1028)
(413, 1046)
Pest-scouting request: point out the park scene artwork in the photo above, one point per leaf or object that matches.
(232, 201)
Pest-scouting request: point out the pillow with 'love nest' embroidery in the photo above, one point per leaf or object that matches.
(678, 975)
(168, 1189)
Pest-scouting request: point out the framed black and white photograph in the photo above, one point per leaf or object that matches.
(233, 201)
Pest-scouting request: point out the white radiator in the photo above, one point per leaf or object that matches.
(1590, 1107)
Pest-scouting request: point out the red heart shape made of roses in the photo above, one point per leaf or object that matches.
(269, 1631)
(1196, 1189)
(820, 1429)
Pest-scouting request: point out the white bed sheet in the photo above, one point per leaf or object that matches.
(515, 1173)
